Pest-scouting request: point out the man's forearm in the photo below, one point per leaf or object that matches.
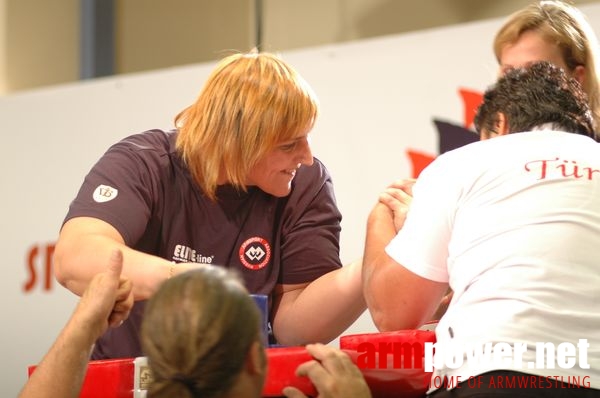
(380, 231)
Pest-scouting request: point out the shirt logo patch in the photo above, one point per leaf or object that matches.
(105, 193)
(255, 253)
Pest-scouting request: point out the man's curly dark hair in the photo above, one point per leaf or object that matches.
(538, 94)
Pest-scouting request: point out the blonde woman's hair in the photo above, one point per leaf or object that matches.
(249, 104)
(197, 331)
(563, 24)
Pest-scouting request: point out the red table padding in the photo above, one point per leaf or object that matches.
(107, 378)
(281, 371)
(115, 378)
(391, 376)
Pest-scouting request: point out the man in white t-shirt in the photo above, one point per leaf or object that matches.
(512, 226)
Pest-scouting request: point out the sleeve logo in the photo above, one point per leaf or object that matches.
(105, 193)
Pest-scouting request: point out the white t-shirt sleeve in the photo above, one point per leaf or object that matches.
(421, 246)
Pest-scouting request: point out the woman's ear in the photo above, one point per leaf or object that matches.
(256, 360)
(579, 74)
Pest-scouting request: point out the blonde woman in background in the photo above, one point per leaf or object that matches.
(556, 32)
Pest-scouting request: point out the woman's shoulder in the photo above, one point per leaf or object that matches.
(156, 139)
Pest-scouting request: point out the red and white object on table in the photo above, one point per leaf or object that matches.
(392, 363)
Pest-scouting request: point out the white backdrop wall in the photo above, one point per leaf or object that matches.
(379, 98)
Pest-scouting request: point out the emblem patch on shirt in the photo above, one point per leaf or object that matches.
(255, 253)
(104, 193)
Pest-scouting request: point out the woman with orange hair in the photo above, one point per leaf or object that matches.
(234, 184)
